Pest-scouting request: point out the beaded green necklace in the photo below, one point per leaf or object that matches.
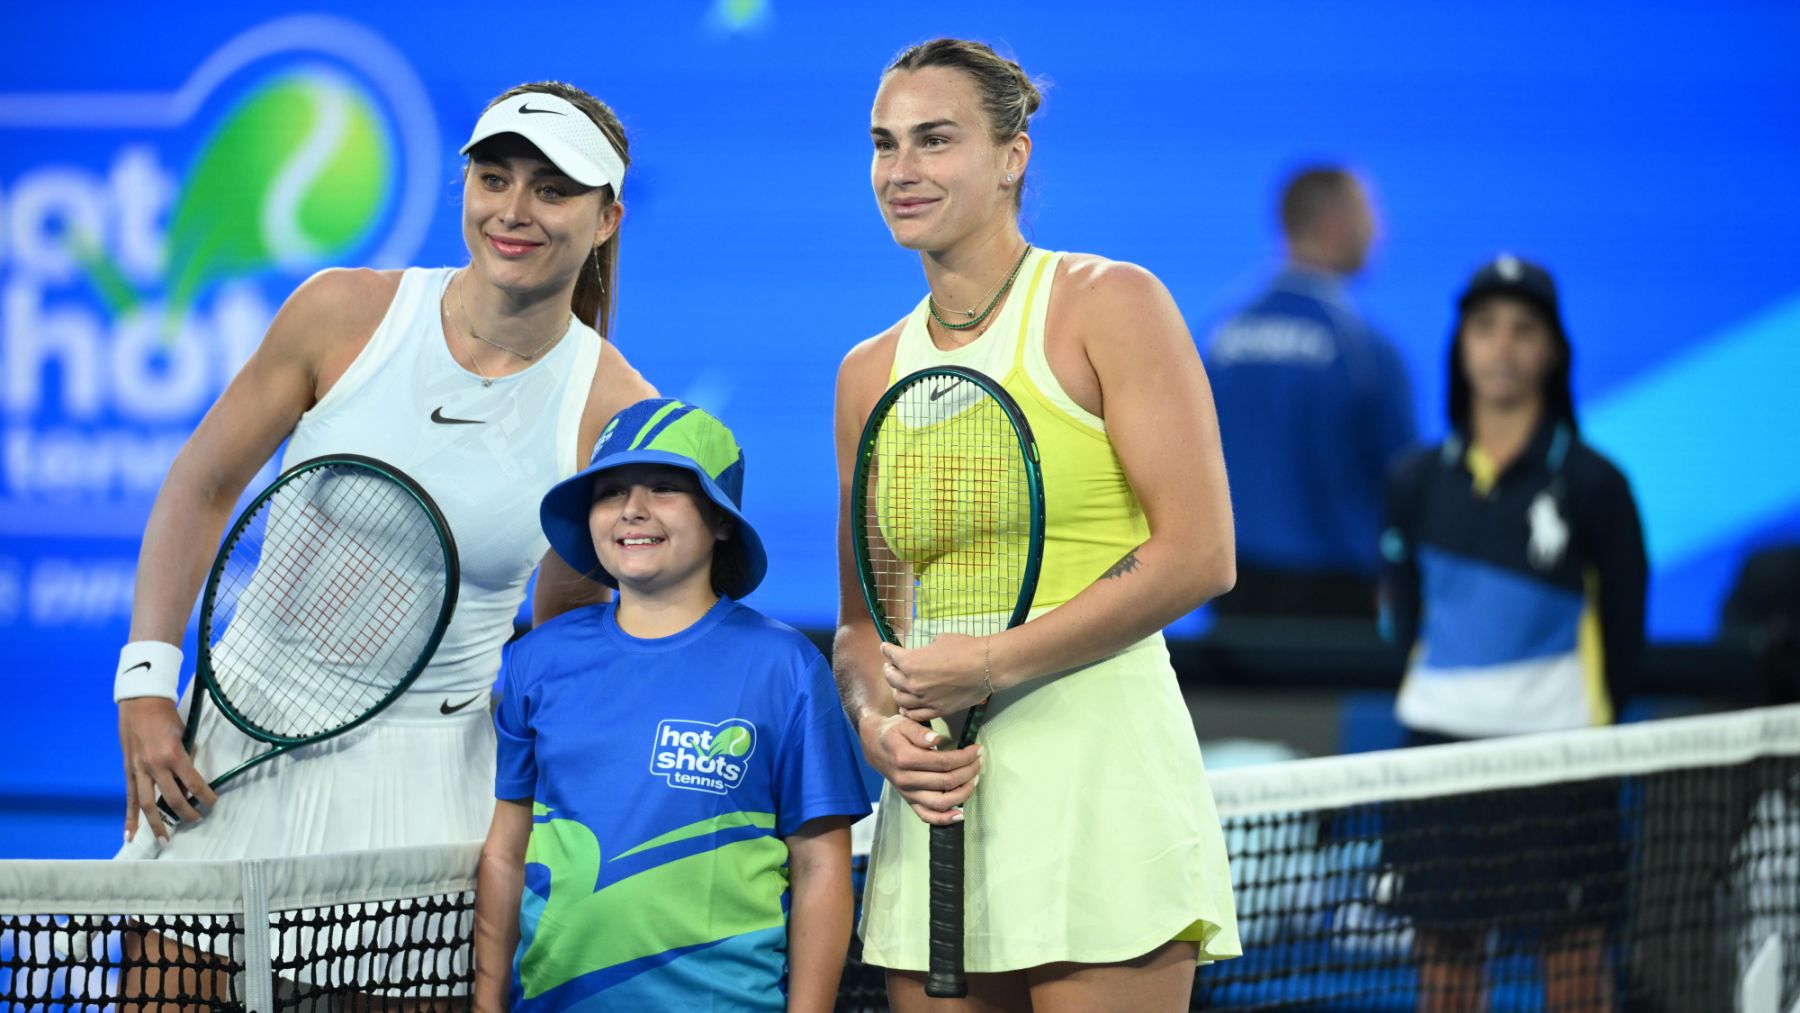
(931, 303)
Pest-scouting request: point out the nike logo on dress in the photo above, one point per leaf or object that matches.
(526, 108)
(445, 708)
(941, 391)
(438, 416)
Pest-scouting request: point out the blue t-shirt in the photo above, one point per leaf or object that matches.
(1313, 406)
(664, 774)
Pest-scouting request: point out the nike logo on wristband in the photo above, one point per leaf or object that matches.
(141, 664)
(438, 416)
(527, 110)
(445, 708)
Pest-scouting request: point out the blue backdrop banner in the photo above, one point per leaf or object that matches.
(172, 174)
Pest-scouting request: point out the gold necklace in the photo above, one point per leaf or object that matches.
(970, 312)
(469, 324)
(486, 381)
(474, 364)
(976, 321)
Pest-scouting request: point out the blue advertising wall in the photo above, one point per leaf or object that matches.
(170, 174)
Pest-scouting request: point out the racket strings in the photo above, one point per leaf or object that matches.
(334, 591)
(362, 605)
(947, 511)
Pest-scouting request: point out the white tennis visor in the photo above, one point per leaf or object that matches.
(561, 131)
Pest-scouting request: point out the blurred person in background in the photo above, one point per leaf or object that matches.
(1514, 572)
(1762, 617)
(1313, 406)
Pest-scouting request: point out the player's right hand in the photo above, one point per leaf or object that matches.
(935, 782)
(150, 731)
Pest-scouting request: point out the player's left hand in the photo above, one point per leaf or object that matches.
(941, 678)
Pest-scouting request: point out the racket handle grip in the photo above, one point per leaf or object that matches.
(944, 978)
(168, 811)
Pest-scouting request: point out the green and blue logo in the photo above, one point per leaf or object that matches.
(313, 144)
(151, 241)
(703, 757)
(298, 174)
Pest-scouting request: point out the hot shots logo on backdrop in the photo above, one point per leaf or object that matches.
(701, 756)
(148, 240)
(297, 174)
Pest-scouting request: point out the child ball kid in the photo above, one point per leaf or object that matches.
(675, 782)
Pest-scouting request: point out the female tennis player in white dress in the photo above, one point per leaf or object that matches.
(486, 384)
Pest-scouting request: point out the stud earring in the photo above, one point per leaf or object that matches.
(1009, 177)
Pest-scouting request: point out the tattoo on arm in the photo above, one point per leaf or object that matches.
(1125, 565)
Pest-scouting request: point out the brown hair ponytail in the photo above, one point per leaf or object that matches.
(596, 288)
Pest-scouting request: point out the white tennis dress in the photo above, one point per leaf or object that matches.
(421, 772)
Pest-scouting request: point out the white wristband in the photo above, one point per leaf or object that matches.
(148, 668)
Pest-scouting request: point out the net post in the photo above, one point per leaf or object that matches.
(256, 980)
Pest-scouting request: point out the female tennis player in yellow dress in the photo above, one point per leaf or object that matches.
(1096, 865)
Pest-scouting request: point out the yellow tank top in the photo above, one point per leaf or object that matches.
(1091, 517)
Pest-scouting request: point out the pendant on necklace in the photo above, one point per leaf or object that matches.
(485, 382)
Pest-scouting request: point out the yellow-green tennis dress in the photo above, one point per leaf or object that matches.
(1092, 836)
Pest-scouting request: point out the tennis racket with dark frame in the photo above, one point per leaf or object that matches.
(328, 596)
(947, 527)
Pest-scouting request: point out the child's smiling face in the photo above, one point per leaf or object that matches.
(654, 529)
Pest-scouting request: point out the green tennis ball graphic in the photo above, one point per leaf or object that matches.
(295, 175)
(742, 13)
(733, 741)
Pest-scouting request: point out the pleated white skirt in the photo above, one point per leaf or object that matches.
(411, 775)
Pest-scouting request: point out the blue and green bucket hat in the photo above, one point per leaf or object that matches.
(657, 431)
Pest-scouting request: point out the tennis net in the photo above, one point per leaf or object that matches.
(1649, 867)
(352, 931)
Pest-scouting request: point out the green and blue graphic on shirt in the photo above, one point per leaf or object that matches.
(664, 775)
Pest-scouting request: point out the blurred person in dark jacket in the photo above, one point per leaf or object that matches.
(1313, 406)
(1514, 572)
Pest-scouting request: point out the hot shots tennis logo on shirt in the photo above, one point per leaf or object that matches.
(701, 756)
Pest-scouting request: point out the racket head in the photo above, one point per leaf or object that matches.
(329, 595)
(946, 508)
